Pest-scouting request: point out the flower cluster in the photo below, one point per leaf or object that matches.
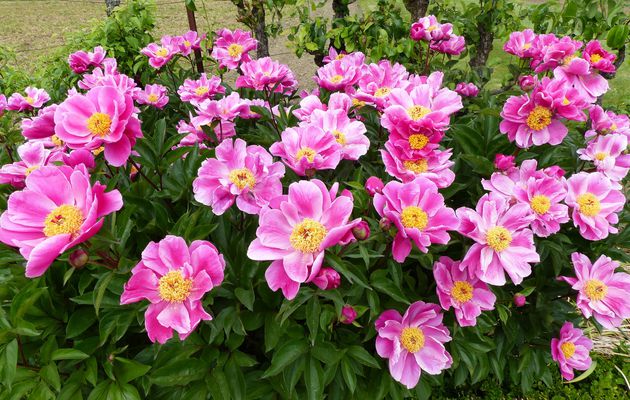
(439, 36)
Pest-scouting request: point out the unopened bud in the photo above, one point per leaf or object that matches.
(361, 231)
(79, 258)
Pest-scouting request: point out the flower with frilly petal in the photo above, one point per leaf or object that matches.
(196, 91)
(434, 166)
(521, 44)
(35, 98)
(571, 350)
(543, 195)
(153, 95)
(599, 58)
(349, 133)
(266, 74)
(160, 54)
(80, 61)
(232, 48)
(605, 122)
(40, 126)
(608, 154)
(189, 41)
(338, 75)
(33, 155)
(377, 82)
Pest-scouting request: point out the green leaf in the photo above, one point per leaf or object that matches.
(9, 364)
(127, 370)
(584, 374)
(68, 354)
(246, 297)
(361, 355)
(617, 36)
(50, 375)
(80, 321)
(349, 375)
(313, 380)
(180, 372)
(285, 355)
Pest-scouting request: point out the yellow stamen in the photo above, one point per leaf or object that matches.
(595, 58)
(235, 50)
(418, 141)
(336, 79)
(588, 204)
(417, 166)
(527, 46)
(462, 291)
(56, 141)
(540, 204)
(99, 124)
(161, 52)
(98, 150)
(65, 219)
(340, 56)
(29, 100)
(568, 349)
(242, 177)
(201, 90)
(417, 112)
(539, 118)
(498, 238)
(382, 91)
(358, 103)
(567, 60)
(30, 169)
(565, 102)
(414, 217)
(595, 289)
(174, 288)
(305, 152)
(600, 156)
(412, 339)
(187, 43)
(340, 137)
(152, 98)
(308, 235)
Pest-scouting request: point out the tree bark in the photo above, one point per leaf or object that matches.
(192, 25)
(110, 5)
(417, 8)
(258, 14)
(340, 8)
(483, 48)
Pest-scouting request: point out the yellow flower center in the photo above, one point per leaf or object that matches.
(540, 204)
(600, 156)
(431, 28)
(588, 204)
(595, 58)
(417, 166)
(161, 52)
(29, 100)
(242, 177)
(201, 90)
(567, 60)
(99, 124)
(235, 50)
(340, 56)
(417, 112)
(565, 102)
(30, 169)
(527, 46)
(412, 339)
(462, 291)
(340, 137)
(539, 118)
(414, 217)
(308, 235)
(382, 91)
(418, 141)
(56, 141)
(568, 349)
(336, 79)
(595, 289)
(152, 98)
(65, 219)
(498, 238)
(187, 43)
(98, 150)
(174, 288)
(613, 127)
(358, 103)
(305, 152)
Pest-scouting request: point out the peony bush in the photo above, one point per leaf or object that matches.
(226, 233)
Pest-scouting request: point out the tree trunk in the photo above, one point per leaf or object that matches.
(483, 48)
(417, 8)
(110, 5)
(258, 14)
(340, 8)
(192, 25)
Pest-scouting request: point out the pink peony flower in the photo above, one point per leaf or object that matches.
(3, 104)
(35, 98)
(153, 95)
(348, 315)
(327, 279)
(266, 74)
(197, 91)
(519, 300)
(467, 89)
(374, 185)
(571, 350)
(40, 126)
(338, 75)
(434, 166)
(334, 55)
(377, 82)
(189, 41)
(232, 48)
(103, 116)
(309, 104)
(599, 58)
(80, 61)
(413, 342)
(467, 295)
(543, 196)
(174, 278)
(503, 241)
(595, 203)
(578, 73)
(33, 155)
(503, 162)
(78, 157)
(295, 231)
(455, 45)
(602, 292)
(429, 29)
(419, 213)
(307, 149)
(58, 209)
(349, 133)
(521, 44)
(608, 155)
(605, 122)
(160, 54)
(552, 52)
(241, 173)
(527, 82)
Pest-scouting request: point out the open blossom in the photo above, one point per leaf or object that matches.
(608, 154)
(241, 173)
(605, 122)
(552, 52)
(504, 244)
(377, 82)
(80, 61)
(266, 74)
(602, 292)
(196, 91)
(295, 231)
(174, 277)
(599, 58)
(454, 45)
(33, 155)
(434, 166)
(419, 213)
(467, 295)
(40, 126)
(102, 117)
(232, 48)
(521, 44)
(58, 209)
(413, 342)
(160, 54)
(467, 89)
(544, 196)
(595, 203)
(429, 29)
(153, 95)
(579, 74)
(35, 98)
(338, 74)
(571, 350)
(504, 183)
(349, 133)
(189, 41)
(307, 148)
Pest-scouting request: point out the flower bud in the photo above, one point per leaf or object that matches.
(361, 231)
(503, 162)
(384, 224)
(374, 185)
(467, 89)
(310, 172)
(519, 300)
(327, 279)
(348, 315)
(526, 82)
(79, 258)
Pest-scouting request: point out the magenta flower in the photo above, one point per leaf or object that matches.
(599, 58)
(327, 279)
(527, 82)
(338, 74)
(349, 133)
(608, 154)
(306, 149)
(467, 89)
(521, 44)
(3, 104)
(579, 74)
(504, 183)
(197, 91)
(552, 52)
(571, 350)
(602, 292)
(374, 185)
(419, 213)
(503, 162)
(174, 278)
(348, 314)
(413, 342)
(454, 45)
(241, 173)
(33, 155)
(295, 231)
(80, 61)
(467, 295)
(605, 122)
(189, 41)
(434, 166)
(429, 29)
(232, 48)
(377, 82)
(595, 203)
(35, 98)
(265, 74)
(58, 209)
(519, 300)
(153, 95)
(40, 126)
(543, 196)
(160, 54)
(103, 116)
(503, 241)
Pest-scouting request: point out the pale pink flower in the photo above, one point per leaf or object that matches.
(58, 209)
(338, 75)
(189, 41)
(413, 342)
(80, 61)
(33, 155)
(434, 166)
(521, 44)
(429, 29)
(160, 54)
(571, 350)
(455, 45)
(232, 48)
(153, 95)
(174, 278)
(377, 82)
(296, 230)
(196, 91)
(349, 133)
(266, 74)
(419, 213)
(40, 126)
(307, 105)
(602, 292)
(605, 122)
(35, 98)
(543, 196)
(608, 154)
(595, 203)
(467, 295)
(503, 243)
